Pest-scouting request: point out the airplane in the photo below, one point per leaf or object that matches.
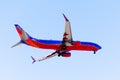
(61, 47)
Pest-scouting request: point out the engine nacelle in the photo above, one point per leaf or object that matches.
(67, 54)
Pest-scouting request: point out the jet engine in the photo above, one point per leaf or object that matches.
(66, 54)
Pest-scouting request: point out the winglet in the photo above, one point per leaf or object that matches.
(33, 60)
(65, 17)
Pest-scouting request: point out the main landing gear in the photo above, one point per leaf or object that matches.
(59, 54)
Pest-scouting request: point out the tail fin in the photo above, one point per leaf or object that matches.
(23, 35)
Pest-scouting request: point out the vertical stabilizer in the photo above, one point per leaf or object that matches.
(23, 35)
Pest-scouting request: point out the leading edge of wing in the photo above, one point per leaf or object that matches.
(44, 58)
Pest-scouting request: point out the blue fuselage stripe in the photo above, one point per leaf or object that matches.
(59, 42)
(49, 41)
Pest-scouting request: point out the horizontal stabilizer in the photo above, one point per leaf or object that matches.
(16, 44)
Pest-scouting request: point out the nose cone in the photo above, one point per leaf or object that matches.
(92, 44)
(99, 47)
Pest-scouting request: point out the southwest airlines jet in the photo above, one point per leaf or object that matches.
(61, 47)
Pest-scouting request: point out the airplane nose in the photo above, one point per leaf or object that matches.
(99, 47)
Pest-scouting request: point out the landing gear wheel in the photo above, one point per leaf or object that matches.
(94, 52)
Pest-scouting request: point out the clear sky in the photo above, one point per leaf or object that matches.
(91, 20)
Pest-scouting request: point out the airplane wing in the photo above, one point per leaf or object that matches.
(67, 37)
(67, 41)
(46, 57)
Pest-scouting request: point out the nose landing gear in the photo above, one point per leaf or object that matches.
(94, 52)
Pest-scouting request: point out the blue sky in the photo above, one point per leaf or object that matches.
(91, 20)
